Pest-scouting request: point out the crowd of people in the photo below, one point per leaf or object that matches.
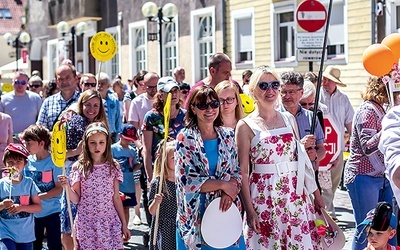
(121, 155)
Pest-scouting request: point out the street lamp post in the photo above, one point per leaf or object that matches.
(150, 10)
(22, 39)
(80, 29)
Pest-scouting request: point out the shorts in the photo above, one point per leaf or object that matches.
(128, 199)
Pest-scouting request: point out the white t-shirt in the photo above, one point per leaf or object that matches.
(139, 107)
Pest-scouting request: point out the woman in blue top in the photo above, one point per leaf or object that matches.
(206, 167)
(153, 123)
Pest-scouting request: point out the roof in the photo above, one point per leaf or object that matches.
(12, 25)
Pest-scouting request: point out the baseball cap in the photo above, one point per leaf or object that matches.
(17, 148)
(165, 84)
(129, 132)
(381, 217)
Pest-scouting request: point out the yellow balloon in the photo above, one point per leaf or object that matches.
(59, 144)
(7, 87)
(103, 46)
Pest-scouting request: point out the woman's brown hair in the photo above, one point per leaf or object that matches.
(375, 91)
(200, 94)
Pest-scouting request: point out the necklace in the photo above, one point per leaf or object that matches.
(267, 125)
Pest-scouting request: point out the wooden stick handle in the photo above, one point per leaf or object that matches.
(71, 221)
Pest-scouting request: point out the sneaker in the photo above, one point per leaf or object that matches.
(136, 220)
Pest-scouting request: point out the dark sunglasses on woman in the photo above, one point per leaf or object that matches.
(204, 106)
(264, 86)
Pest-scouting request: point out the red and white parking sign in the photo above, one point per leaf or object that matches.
(333, 143)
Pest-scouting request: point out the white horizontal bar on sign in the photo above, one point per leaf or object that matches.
(311, 15)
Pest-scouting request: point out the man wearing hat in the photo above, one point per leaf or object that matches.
(342, 112)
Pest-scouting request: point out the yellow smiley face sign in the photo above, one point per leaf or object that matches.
(58, 145)
(247, 103)
(7, 87)
(103, 46)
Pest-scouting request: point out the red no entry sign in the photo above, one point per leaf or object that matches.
(311, 15)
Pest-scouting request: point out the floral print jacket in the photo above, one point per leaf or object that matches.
(192, 170)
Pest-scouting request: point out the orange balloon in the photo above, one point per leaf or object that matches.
(378, 59)
(393, 42)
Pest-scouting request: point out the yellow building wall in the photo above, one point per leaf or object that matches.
(358, 38)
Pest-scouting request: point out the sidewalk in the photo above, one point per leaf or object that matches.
(344, 213)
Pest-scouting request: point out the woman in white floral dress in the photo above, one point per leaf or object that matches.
(279, 211)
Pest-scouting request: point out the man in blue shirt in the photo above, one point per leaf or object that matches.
(111, 105)
(291, 93)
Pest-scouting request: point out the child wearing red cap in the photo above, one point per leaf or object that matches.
(19, 200)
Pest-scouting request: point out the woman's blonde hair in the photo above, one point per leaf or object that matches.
(375, 91)
(239, 113)
(161, 162)
(256, 76)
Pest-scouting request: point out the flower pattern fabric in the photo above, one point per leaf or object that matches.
(286, 219)
(97, 223)
(192, 170)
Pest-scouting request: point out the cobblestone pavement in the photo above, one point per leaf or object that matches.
(344, 213)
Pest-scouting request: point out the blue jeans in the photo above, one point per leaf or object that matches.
(364, 195)
(12, 245)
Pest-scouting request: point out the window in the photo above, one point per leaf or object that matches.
(5, 13)
(137, 46)
(283, 30)
(286, 35)
(57, 51)
(113, 65)
(242, 37)
(392, 15)
(170, 49)
(335, 44)
(203, 35)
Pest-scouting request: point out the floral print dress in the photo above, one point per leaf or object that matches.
(286, 219)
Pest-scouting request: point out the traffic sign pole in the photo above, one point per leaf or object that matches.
(316, 101)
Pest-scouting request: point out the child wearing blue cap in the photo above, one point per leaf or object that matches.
(126, 154)
(380, 225)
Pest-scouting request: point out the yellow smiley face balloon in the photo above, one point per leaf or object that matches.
(58, 144)
(247, 103)
(103, 46)
(7, 87)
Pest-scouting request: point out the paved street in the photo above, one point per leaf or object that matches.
(344, 213)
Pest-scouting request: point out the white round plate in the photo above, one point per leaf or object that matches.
(221, 229)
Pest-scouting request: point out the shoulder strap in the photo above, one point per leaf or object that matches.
(73, 99)
(254, 127)
(290, 120)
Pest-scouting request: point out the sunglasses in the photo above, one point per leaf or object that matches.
(264, 86)
(228, 100)
(204, 106)
(184, 92)
(88, 84)
(35, 86)
(305, 104)
(20, 82)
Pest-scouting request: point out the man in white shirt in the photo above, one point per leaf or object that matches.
(342, 112)
(143, 102)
